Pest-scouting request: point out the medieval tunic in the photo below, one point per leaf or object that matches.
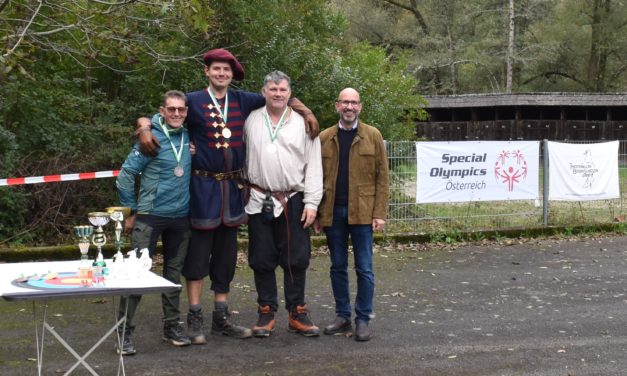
(215, 202)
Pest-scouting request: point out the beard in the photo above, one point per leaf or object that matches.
(349, 117)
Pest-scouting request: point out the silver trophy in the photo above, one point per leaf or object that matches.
(99, 239)
(118, 214)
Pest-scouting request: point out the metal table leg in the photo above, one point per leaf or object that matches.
(81, 360)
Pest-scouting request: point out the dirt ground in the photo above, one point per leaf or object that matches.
(518, 307)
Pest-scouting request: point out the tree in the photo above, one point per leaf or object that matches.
(510, 48)
(583, 47)
(74, 74)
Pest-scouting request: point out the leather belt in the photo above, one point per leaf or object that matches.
(230, 175)
(281, 196)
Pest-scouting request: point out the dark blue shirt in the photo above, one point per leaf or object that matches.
(218, 202)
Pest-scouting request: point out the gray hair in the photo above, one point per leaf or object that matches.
(276, 77)
(174, 94)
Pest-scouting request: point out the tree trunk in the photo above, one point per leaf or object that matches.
(597, 63)
(510, 48)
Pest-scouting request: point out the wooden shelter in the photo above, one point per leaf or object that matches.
(526, 116)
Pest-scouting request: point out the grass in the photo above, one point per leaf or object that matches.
(405, 216)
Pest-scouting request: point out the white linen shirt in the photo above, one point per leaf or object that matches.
(295, 166)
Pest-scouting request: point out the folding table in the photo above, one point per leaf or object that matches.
(142, 282)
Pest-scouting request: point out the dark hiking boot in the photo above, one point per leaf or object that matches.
(194, 327)
(265, 322)
(173, 333)
(128, 348)
(222, 325)
(299, 322)
(362, 331)
(339, 326)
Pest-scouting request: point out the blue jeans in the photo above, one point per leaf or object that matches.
(337, 240)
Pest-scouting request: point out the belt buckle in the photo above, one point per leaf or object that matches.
(219, 176)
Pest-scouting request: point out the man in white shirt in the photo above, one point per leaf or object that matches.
(284, 169)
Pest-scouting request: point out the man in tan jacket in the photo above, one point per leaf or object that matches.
(355, 203)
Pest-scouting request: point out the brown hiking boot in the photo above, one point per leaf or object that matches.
(222, 325)
(301, 323)
(265, 322)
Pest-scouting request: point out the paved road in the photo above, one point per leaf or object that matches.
(539, 307)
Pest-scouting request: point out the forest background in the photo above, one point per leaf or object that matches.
(75, 74)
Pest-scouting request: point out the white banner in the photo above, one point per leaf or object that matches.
(477, 171)
(583, 172)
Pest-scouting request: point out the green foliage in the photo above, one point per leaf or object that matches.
(461, 46)
(312, 50)
(74, 80)
(390, 101)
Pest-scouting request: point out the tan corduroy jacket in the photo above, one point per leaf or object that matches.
(368, 181)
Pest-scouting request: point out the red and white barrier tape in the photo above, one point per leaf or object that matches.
(56, 178)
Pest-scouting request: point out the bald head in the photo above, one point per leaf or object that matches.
(349, 91)
(348, 106)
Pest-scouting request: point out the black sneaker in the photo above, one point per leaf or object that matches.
(128, 348)
(222, 325)
(173, 333)
(194, 327)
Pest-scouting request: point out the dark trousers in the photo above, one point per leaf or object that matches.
(174, 233)
(268, 248)
(212, 253)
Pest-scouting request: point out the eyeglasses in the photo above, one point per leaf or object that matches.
(347, 103)
(172, 110)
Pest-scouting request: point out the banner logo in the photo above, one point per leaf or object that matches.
(510, 168)
(586, 169)
(466, 171)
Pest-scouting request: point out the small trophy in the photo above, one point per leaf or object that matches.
(83, 233)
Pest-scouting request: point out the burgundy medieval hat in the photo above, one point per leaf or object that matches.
(220, 54)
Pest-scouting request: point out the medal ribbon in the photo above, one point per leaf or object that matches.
(215, 103)
(177, 153)
(273, 134)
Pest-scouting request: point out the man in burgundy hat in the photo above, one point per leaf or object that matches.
(215, 120)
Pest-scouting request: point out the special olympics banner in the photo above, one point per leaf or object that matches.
(463, 171)
(583, 172)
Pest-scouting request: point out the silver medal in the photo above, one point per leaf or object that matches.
(226, 133)
(178, 171)
(271, 148)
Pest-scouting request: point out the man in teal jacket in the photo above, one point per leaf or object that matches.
(161, 210)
